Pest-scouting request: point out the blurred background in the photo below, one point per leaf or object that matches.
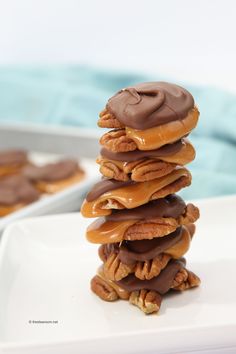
(61, 60)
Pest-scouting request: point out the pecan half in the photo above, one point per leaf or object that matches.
(158, 227)
(190, 215)
(117, 141)
(185, 281)
(101, 288)
(152, 268)
(148, 301)
(114, 269)
(151, 169)
(110, 170)
(108, 120)
(148, 229)
(174, 187)
(139, 171)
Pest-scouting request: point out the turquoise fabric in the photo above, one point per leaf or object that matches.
(75, 95)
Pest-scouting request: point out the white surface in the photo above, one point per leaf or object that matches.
(67, 200)
(45, 268)
(186, 40)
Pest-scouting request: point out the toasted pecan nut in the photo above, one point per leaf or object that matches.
(121, 293)
(185, 279)
(180, 277)
(148, 301)
(138, 171)
(174, 187)
(152, 268)
(143, 139)
(147, 229)
(158, 227)
(151, 169)
(117, 141)
(103, 231)
(101, 288)
(136, 194)
(108, 120)
(190, 216)
(114, 269)
(111, 170)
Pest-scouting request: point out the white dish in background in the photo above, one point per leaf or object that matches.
(45, 268)
(67, 200)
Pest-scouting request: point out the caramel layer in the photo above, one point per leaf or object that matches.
(131, 196)
(102, 231)
(182, 246)
(185, 155)
(162, 283)
(122, 293)
(176, 244)
(156, 137)
(131, 156)
(172, 206)
(182, 157)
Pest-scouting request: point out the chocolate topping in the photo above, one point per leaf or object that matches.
(170, 206)
(143, 250)
(13, 157)
(52, 172)
(150, 104)
(162, 283)
(104, 186)
(17, 189)
(166, 150)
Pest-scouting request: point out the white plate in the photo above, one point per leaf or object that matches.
(67, 200)
(45, 268)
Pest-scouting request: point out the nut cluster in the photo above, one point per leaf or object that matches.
(144, 228)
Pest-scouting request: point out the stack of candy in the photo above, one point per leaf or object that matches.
(143, 227)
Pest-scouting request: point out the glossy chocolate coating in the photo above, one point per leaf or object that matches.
(105, 185)
(162, 283)
(17, 189)
(150, 104)
(13, 157)
(143, 250)
(52, 172)
(166, 150)
(170, 206)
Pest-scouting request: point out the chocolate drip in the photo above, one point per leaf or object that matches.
(150, 104)
(17, 189)
(166, 150)
(13, 157)
(52, 172)
(132, 251)
(170, 206)
(105, 185)
(162, 283)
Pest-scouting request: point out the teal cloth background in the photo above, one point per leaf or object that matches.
(75, 96)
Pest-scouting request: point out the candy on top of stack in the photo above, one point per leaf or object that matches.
(144, 228)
